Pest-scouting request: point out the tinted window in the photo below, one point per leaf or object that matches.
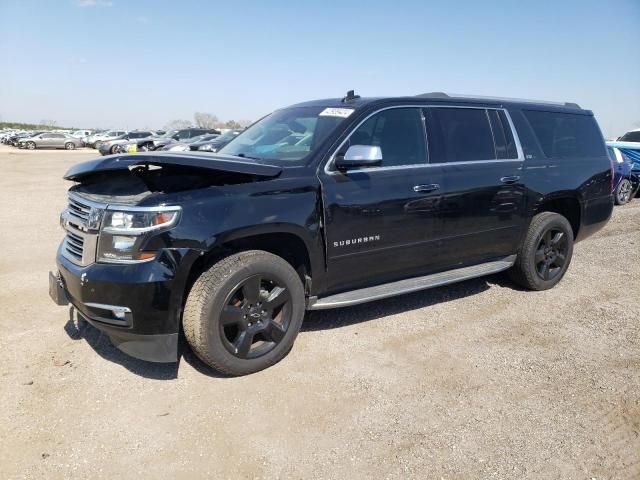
(564, 135)
(460, 135)
(631, 137)
(399, 132)
(57, 135)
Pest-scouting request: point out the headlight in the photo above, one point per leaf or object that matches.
(124, 232)
(206, 148)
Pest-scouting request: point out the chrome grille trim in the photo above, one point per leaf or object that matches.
(79, 222)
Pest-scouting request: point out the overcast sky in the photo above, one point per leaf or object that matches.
(128, 63)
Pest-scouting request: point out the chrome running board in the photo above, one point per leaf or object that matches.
(409, 285)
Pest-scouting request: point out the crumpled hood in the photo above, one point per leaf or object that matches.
(226, 163)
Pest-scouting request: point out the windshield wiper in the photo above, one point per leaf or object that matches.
(244, 155)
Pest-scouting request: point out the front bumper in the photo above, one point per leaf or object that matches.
(138, 306)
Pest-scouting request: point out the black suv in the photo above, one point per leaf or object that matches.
(325, 204)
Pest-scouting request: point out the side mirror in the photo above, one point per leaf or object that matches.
(359, 156)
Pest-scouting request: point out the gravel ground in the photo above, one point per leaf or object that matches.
(474, 380)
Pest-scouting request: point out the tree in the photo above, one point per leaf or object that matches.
(205, 120)
(177, 124)
(232, 124)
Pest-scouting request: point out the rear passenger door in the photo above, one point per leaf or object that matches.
(476, 153)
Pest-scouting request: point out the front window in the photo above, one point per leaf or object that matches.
(288, 135)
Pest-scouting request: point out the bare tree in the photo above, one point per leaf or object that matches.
(177, 124)
(205, 120)
(244, 123)
(232, 124)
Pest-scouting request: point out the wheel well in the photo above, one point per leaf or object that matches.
(286, 245)
(567, 207)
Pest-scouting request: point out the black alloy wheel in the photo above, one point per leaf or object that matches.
(551, 254)
(255, 318)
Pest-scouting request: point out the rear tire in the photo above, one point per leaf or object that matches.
(545, 253)
(114, 149)
(244, 313)
(623, 192)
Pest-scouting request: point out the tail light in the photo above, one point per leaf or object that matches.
(610, 155)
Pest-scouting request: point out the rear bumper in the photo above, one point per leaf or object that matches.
(138, 306)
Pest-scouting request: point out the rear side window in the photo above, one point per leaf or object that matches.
(502, 135)
(566, 135)
(460, 135)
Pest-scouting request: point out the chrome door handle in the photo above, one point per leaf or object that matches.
(510, 179)
(426, 188)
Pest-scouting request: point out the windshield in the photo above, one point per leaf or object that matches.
(168, 134)
(288, 135)
(228, 136)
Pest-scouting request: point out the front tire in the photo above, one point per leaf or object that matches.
(69, 146)
(244, 313)
(545, 253)
(31, 145)
(623, 192)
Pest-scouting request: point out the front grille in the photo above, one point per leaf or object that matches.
(79, 210)
(74, 245)
(78, 221)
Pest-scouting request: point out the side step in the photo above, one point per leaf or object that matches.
(409, 285)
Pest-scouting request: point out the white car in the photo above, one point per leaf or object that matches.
(81, 133)
(94, 141)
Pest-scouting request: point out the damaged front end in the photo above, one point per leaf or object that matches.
(125, 260)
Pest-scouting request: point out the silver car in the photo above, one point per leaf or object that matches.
(50, 140)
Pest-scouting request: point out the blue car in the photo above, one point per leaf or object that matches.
(626, 180)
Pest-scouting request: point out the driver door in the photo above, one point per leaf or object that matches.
(381, 222)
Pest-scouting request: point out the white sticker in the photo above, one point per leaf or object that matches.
(336, 112)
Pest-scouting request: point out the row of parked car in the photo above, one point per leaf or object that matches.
(186, 139)
(624, 152)
(122, 141)
(40, 139)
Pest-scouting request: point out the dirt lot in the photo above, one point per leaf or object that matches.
(475, 380)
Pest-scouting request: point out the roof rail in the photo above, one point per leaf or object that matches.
(498, 99)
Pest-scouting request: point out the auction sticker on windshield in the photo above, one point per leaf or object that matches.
(336, 112)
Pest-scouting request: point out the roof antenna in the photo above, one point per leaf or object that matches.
(351, 95)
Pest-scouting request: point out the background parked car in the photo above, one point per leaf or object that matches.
(632, 136)
(155, 143)
(94, 140)
(52, 140)
(186, 145)
(16, 140)
(110, 147)
(217, 143)
(81, 133)
(625, 183)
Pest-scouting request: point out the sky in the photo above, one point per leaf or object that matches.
(143, 63)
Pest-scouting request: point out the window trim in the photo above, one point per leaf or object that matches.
(331, 161)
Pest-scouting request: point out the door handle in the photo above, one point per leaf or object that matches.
(510, 179)
(426, 188)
